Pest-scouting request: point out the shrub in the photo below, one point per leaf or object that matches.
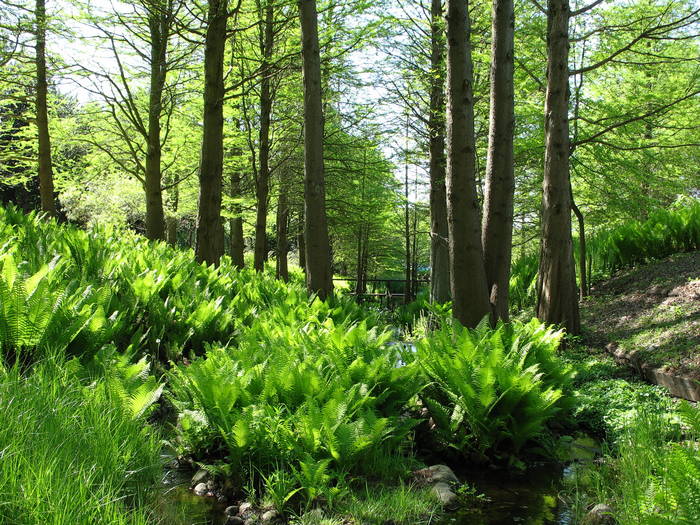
(310, 397)
(492, 391)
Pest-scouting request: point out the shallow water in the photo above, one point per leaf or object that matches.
(531, 497)
(177, 504)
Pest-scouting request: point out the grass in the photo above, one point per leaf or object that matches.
(379, 504)
(70, 454)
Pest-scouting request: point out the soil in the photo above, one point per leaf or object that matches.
(652, 311)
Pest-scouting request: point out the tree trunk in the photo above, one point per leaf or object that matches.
(467, 275)
(319, 277)
(155, 216)
(282, 231)
(171, 222)
(48, 203)
(407, 232)
(262, 184)
(556, 284)
(210, 228)
(236, 240)
(301, 241)
(439, 248)
(497, 234)
(583, 285)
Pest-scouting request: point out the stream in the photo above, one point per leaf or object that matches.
(531, 497)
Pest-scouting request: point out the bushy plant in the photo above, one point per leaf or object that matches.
(491, 391)
(310, 397)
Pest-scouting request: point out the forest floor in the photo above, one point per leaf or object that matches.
(652, 311)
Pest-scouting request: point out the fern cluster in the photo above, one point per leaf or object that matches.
(311, 398)
(491, 391)
(663, 233)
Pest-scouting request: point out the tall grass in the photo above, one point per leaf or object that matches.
(71, 454)
(654, 478)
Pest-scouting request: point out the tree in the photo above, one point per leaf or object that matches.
(319, 276)
(210, 229)
(557, 300)
(439, 245)
(46, 188)
(467, 275)
(262, 182)
(497, 234)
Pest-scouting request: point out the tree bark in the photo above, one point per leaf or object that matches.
(319, 277)
(155, 216)
(171, 222)
(301, 241)
(236, 240)
(210, 229)
(497, 234)
(46, 189)
(262, 184)
(467, 275)
(407, 232)
(583, 284)
(556, 284)
(282, 232)
(439, 248)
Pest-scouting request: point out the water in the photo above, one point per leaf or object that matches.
(532, 497)
(177, 505)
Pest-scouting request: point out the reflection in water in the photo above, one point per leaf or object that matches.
(530, 498)
(177, 505)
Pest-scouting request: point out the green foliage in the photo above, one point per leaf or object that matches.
(70, 453)
(310, 397)
(664, 233)
(41, 313)
(492, 391)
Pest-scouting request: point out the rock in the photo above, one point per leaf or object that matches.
(436, 474)
(245, 508)
(601, 514)
(444, 494)
(201, 476)
(251, 521)
(231, 510)
(269, 516)
(235, 520)
(201, 489)
(211, 485)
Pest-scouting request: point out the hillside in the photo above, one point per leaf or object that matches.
(651, 312)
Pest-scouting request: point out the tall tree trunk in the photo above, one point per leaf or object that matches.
(155, 216)
(301, 241)
(48, 203)
(359, 283)
(467, 275)
(556, 283)
(319, 276)
(236, 241)
(171, 222)
(262, 184)
(583, 284)
(439, 248)
(407, 231)
(210, 228)
(282, 232)
(497, 234)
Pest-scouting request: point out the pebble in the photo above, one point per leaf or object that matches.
(201, 489)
